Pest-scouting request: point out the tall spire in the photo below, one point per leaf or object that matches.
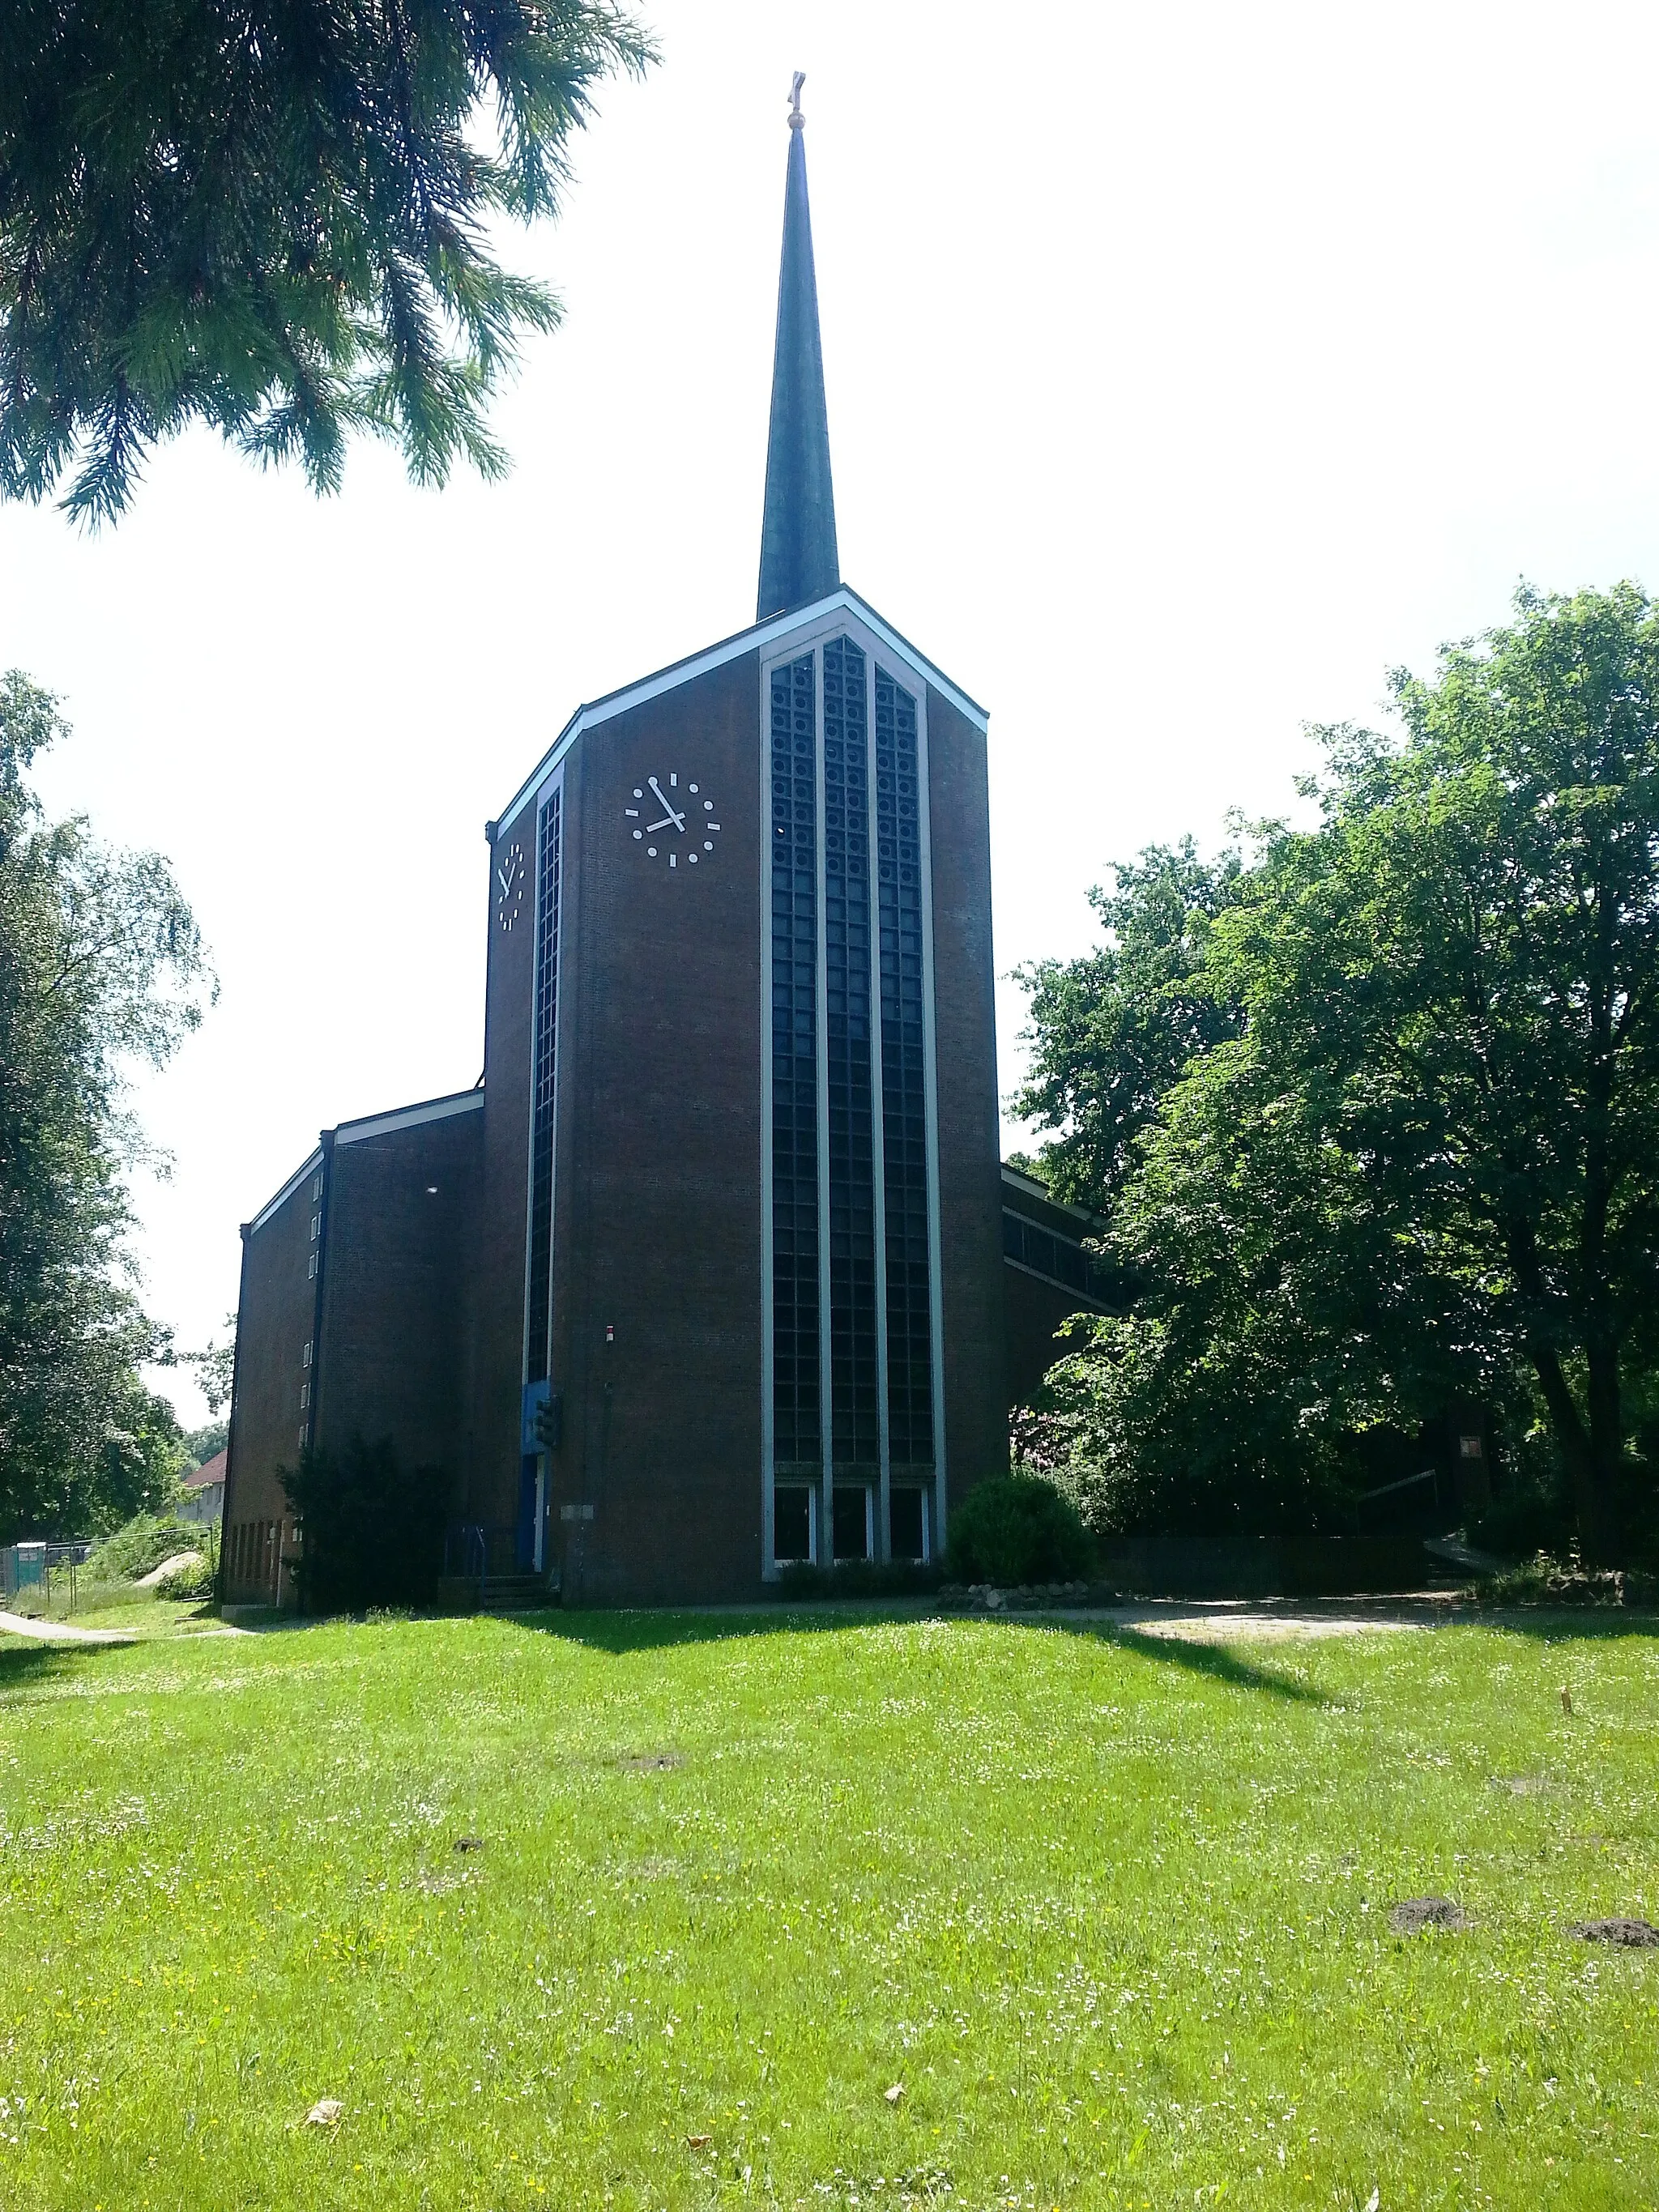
(798, 561)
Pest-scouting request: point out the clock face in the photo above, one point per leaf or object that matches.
(509, 886)
(671, 822)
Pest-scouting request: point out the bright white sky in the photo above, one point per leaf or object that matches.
(1187, 369)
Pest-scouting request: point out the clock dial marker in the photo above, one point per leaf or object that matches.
(510, 881)
(672, 817)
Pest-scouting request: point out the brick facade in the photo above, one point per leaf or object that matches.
(656, 1490)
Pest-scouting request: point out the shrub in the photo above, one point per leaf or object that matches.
(194, 1579)
(1549, 1582)
(1017, 1529)
(373, 1534)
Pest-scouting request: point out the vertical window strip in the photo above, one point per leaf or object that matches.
(855, 1415)
(549, 875)
(796, 1413)
(904, 1094)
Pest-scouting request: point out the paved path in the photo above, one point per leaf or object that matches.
(61, 1631)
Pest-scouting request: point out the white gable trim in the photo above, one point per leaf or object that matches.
(761, 638)
(287, 1191)
(408, 1117)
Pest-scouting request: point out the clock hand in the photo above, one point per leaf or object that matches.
(506, 881)
(663, 824)
(678, 820)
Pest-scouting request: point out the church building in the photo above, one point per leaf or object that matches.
(713, 1271)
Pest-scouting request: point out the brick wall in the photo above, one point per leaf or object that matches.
(657, 1228)
(401, 1205)
(970, 1169)
(275, 1324)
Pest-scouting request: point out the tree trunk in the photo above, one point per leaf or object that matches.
(1598, 1534)
(1578, 1449)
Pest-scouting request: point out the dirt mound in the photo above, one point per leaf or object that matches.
(1634, 1935)
(159, 1574)
(1413, 1914)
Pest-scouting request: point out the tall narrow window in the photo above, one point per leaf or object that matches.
(904, 1095)
(549, 873)
(854, 1408)
(795, 1392)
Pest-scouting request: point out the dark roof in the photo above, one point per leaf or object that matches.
(210, 1471)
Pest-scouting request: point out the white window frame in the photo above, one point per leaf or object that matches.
(813, 1516)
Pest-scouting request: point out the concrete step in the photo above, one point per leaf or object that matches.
(491, 1593)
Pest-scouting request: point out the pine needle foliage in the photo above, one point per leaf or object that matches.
(274, 216)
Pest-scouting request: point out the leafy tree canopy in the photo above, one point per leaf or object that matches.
(216, 1371)
(200, 1445)
(1111, 1032)
(1427, 1163)
(101, 967)
(273, 216)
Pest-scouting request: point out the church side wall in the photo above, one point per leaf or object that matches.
(970, 1171)
(275, 1324)
(658, 1227)
(391, 1360)
(1036, 1311)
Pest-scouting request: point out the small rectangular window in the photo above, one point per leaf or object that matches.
(909, 1524)
(316, 1226)
(316, 1186)
(305, 1430)
(304, 1396)
(312, 1269)
(305, 1357)
(791, 1525)
(852, 1522)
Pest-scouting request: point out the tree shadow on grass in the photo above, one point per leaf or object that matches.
(622, 1633)
(1216, 1661)
(39, 1662)
(649, 1628)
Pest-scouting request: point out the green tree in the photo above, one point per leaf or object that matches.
(1432, 1158)
(1279, 1313)
(200, 1445)
(216, 1370)
(371, 1530)
(274, 216)
(1110, 1033)
(101, 967)
(1460, 970)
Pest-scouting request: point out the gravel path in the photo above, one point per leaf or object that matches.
(61, 1631)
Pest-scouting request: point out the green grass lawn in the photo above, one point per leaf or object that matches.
(1112, 1911)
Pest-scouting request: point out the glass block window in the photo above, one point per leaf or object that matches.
(905, 1098)
(796, 1417)
(854, 1409)
(548, 884)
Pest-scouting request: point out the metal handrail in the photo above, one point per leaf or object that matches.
(470, 1545)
